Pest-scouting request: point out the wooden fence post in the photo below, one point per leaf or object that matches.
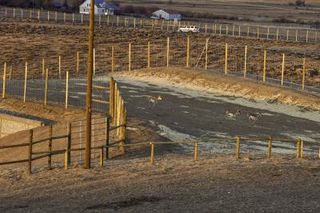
(239, 29)
(4, 80)
(245, 61)
(268, 32)
(264, 65)
(30, 151)
(206, 58)
(303, 73)
(111, 97)
(188, 52)
(78, 63)
(269, 147)
(168, 51)
(69, 143)
(25, 82)
(196, 151)
(298, 146)
(50, 148)
(237, 147)
(46, 87)
(59, 66)
(258, 32)
(277, 34)
(148, 54)
(56, 16)
(296, 35)
(107, 137)
(307, 36)
(248, 32)
(66, 159)
(226, 60)
(152, 153)
(282, 69)
(48, 15)
(39, 15)
(129, 57)
(287, 35)
(67, 90)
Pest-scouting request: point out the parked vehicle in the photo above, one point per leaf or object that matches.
(187, 29)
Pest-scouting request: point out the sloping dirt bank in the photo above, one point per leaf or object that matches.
(225, 85)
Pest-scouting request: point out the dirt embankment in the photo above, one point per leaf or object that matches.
(226, 85)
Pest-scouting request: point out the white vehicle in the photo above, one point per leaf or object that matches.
(187, 29)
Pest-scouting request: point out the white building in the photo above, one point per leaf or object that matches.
(101, 8)
(166, 15)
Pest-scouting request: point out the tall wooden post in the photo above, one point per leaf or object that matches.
(264, 65)
(67, 90)
(307, 36)
(296, 35)
(245, 61)
(152, 153)
(168, 51)
(196, 151)
(188, 52)
(268, 32)
(269, 147)
(277, 34)
(50, 148)
(148, 54)
(59, 66)
(282, 69)
(25, 82)
(303, 73)
(237, 147)
(30, 151)
(69, 128)
(89, 87)
(4, 80)
(226, 60)
(78, 63)
(206, 62)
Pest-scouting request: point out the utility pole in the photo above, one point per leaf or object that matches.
(89, 87)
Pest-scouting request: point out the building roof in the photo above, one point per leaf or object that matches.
(104, 4)
(172, 12)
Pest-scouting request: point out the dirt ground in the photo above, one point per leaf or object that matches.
(174, 184)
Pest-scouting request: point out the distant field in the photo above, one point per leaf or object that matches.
(250, 10)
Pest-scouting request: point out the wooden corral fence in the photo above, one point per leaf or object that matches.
(293, 34)
(68, 140)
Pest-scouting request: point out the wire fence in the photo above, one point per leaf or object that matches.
(291, 34)
(281, 67)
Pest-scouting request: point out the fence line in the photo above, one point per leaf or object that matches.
(293, 34)
(285, 69)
